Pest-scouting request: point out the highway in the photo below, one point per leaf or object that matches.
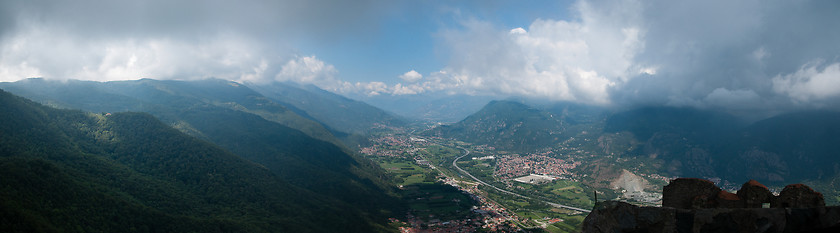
(467, 152)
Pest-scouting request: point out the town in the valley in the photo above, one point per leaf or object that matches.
(509, 191)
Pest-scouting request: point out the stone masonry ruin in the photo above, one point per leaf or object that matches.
(697, 205)
(693, 193)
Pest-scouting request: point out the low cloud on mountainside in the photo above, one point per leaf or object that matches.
(744, 56)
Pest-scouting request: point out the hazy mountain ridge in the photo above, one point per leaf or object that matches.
(335, 111)
(433, 106)
(129, 172)
(161, 97)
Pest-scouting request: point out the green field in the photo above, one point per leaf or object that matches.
(423, 197)
(537, 210)
(437, 200)
(568, 192)
(569, 224)
(407, 172)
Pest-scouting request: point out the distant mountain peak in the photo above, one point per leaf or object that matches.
(507, 125)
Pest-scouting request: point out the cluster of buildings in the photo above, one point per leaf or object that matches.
(508, 167)
(418, 225)
(392, 146)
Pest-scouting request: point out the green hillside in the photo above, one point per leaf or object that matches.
(70, 171)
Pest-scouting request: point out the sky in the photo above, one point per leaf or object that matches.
(736, 56)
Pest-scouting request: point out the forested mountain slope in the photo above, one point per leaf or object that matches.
(240, 121)
(71, 171)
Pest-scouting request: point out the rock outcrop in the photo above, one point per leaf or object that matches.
(613, 216)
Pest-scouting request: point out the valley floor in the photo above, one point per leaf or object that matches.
(500, 206)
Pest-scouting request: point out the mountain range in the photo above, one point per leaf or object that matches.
(220, 156)
(349, 120)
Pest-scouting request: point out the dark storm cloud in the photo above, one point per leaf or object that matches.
(737, 55)
(746, 57)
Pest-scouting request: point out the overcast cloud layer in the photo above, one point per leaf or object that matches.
(742, 56)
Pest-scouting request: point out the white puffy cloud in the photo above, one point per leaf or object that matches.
(399, 89)
(411, 76)
(372, 88)
(556, 59)
(518, 31)
(53, 53)
(810, 83)
(308, 70)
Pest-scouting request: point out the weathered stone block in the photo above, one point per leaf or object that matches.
(690, 193)
(729, 200)
(798, 196)
(754, 194)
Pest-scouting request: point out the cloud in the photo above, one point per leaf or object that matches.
(117, 40)
(810, 83)
(770, 55)
(308, 70)
(399, 89)
(194, 19)
(57, 54)
(740, 99)
(372, 88)
(729, 55)
(711, 54)
(518, 31)
(411, 76)
(554, 59)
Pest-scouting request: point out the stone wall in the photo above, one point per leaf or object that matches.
(697, 205)
(614, 216)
